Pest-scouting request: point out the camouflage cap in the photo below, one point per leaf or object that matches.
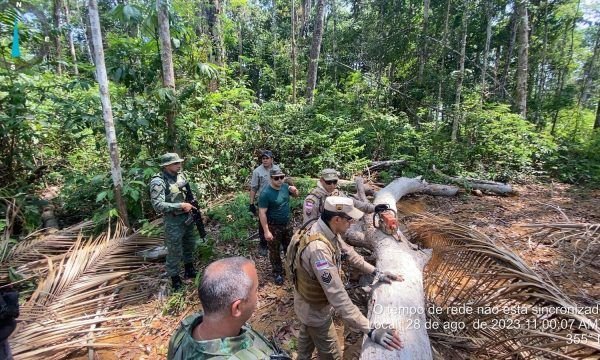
(170, 158)
(329, 174)
(275, 172)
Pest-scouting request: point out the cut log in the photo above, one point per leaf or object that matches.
(401, 304)
(492, 187)
(378, 165)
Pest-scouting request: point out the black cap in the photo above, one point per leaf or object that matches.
(267, 153)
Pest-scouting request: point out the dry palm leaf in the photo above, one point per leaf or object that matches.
(514, 314)
(83, 290)
(580, 241)
(31, 254)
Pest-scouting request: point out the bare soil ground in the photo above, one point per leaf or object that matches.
(497, 217)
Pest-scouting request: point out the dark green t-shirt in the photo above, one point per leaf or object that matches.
(277, 203)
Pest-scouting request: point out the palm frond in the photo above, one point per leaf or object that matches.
(525, 316)
(30, 256)
(580, 242)
(85, 289)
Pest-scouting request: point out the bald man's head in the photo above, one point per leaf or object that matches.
(226, 281)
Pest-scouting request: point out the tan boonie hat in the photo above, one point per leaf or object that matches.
(329, 174)
(170, 158)
(340, 204)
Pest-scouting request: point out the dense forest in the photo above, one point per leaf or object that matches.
(493, 89)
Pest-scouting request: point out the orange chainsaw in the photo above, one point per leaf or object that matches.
(384, 219)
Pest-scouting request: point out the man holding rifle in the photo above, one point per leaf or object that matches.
(171, 195)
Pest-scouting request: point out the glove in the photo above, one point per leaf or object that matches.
(252, 209)
(381, 207)
(385, 277)
(386, 337)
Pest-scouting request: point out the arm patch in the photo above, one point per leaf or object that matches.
(326, 277)
(309, 204)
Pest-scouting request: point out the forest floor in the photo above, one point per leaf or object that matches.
(498, 217)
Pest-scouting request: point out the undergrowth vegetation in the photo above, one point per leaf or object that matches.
(61, 143)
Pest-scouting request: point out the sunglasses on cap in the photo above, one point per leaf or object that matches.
(331, 182)
(278, 177)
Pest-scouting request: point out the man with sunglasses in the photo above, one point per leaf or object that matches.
(327, 186)
(260, 180)
(314, 261)
(274, 215)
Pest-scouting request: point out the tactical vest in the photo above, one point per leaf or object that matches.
(321, 195)
(183, 347)
(174, 191)
(310, 289)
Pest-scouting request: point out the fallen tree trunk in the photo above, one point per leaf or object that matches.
(401, 304)
(378, 165)
(475, 184)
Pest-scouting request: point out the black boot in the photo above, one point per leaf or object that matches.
(176, 283)
(190, 272)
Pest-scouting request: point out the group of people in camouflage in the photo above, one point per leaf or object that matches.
(313, 258)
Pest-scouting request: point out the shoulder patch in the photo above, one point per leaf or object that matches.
(326, 277)
(322, 264)
(309, 204)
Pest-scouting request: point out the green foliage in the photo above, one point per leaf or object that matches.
(372, 103)
(234, 219)
(175, 304)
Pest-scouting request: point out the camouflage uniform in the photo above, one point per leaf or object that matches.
(314, 202)
(315, 255)
(166, 195)
(249, 345)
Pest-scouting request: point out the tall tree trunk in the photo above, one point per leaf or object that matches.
(87, 34)
(439, 104)
(423, 50)
(217, 34)
(200, 13)
(564, 71)
(523, 54)
(306, 9)
(461, 74)
(166, 56)
(274, 48)
(241, 46)
(588, 71)
(541, 83)
(509, 53)
(486, 51)
(71, 43)
(109, 126)
(57, 43)
(597, 122)
(315, 49)
(294, 52)
(497, 60)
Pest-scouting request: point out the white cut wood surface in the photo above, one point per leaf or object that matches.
(401, 304)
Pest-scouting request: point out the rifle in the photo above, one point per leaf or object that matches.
(195, 215)
(279, 353)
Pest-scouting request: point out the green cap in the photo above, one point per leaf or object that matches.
(170, 158)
